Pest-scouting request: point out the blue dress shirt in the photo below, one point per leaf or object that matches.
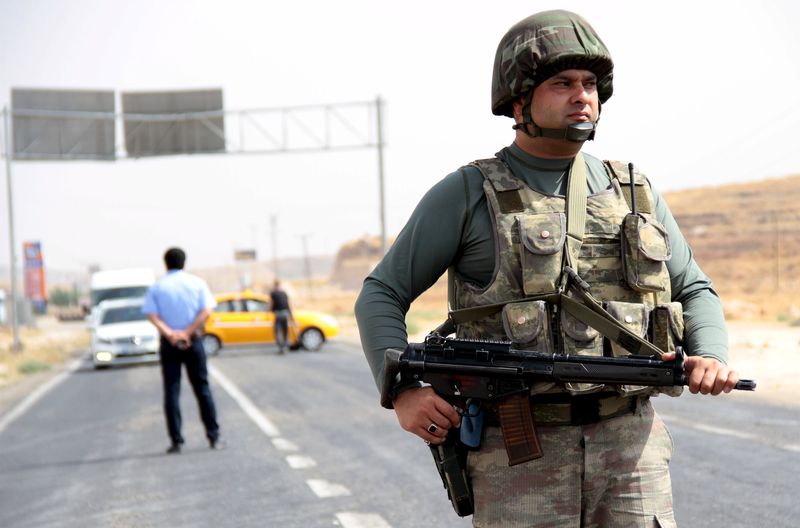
(177, 298)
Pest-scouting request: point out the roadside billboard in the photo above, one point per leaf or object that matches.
(35, 289)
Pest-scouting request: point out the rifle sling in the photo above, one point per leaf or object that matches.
(602, 321)
(475, 313)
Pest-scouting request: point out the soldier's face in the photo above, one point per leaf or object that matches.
(566, 98)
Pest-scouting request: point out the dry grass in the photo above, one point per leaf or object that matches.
(42, 348)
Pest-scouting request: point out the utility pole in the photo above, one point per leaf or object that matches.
(16, 344)
(777, 250)
(307, 265)
(381, 191)
(273, 224)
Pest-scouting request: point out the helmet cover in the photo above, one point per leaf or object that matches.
(542, 45)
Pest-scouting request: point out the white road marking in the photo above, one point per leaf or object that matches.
(361, 520)
(726, 432)
(37, 394)
(322, 488)
(245, 403)
(300, 461)
(325, 489)
(283, 444)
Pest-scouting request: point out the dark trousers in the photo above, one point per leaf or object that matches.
(194, 358)
(281, 329)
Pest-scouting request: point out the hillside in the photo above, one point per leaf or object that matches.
(746, 237)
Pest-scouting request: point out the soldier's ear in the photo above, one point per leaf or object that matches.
(516, 106)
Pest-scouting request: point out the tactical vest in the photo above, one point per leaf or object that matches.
(530, 227)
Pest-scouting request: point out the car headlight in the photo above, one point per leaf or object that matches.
(103, 356)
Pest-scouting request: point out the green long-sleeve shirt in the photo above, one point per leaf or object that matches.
(452, 226)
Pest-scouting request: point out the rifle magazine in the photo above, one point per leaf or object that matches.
(519, 431)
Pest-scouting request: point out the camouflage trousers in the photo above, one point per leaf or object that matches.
(614, 473)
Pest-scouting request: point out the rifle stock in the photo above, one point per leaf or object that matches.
(391, 369)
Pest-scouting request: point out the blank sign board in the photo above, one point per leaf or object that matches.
(62, 124)
(175, 122)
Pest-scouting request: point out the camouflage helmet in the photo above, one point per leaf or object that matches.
(542, 45)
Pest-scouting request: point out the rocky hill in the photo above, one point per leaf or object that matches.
(746, 237)
(354, 260)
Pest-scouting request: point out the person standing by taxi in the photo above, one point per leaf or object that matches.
(279, 304)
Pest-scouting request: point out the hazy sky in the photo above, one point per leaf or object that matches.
(704, 94)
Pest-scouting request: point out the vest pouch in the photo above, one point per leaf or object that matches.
(582, 340)
(645, 250)
(527, 324)
(635, 316)
(542, 239)
(667, 326)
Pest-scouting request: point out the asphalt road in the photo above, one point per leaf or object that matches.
(309, 446)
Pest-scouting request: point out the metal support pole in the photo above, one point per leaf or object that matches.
(273, 224)
(16, 344)
(381, 191)
(307, 266)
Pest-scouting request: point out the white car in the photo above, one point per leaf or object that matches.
(122, 334)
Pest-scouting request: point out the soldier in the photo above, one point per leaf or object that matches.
(501, 234)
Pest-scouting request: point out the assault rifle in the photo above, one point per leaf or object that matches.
(467, 372)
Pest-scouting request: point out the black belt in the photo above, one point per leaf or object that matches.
(566, 409)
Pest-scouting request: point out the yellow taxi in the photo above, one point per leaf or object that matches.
(244, 318)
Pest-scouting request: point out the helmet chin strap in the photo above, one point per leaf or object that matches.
(578, 132)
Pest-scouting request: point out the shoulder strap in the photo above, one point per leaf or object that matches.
(576, 210)
(506, 186)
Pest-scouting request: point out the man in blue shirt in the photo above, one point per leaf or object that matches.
(178, 305)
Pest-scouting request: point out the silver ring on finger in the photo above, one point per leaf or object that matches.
(432, 428)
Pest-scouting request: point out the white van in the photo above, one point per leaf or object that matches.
(118, 284)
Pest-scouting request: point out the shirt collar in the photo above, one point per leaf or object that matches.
(535, 162)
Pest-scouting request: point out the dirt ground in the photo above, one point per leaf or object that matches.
(769, 353)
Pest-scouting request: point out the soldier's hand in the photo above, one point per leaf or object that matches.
(422, 412)
(707, 375)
